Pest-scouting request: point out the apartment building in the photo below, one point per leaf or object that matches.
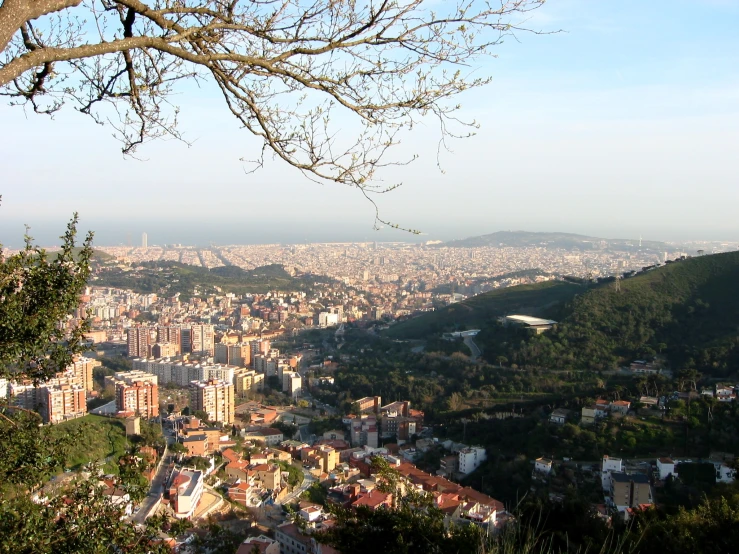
(248, 380)
(185, 491)
(214, 397)
(57, 404)
(82, 368)
(137, 397)
(170, 334)
(203, 339)
(470, 458)
(139, 339)
(369, 404)
(630, 491)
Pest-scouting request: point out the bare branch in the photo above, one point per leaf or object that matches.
(290, 71)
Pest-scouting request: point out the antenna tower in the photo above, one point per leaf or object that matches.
(618, 283)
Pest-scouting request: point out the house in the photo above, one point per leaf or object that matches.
(268, 435)
(644, 367)
(264, 545)
(665, 466)
(117, 496)
(559, 416)
(725, 394)
(588, 416)
(197, 445)
(240, 493)
(231, 456)
(291, 540)
(543, 466)
(649, 401)
(620, 407)
(373, 500)
(238, 470)
(269, 475)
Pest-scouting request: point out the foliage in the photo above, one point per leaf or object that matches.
(315, 493)
(38, 293)
(198, 462)
(218, 539)
(687, 311)
(295, 474)
(97, 439)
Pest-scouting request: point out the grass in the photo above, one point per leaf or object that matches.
(475, 312)
(101, 439)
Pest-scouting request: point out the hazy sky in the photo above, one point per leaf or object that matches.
(627, 123)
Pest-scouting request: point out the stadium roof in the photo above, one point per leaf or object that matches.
(530, 321)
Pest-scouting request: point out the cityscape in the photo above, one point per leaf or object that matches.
(375, 277)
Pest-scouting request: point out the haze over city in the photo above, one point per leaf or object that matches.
(621, 125)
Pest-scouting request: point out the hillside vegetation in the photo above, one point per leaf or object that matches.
(687, 311)
(173, 277)
(484, 309)
(97, 439)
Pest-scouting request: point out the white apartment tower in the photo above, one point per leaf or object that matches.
(215, 398)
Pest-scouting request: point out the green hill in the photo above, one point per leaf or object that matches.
(174, 277)
(687, 311)
(97, 439)
(483, 309)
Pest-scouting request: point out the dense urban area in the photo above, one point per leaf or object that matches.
(265, 395)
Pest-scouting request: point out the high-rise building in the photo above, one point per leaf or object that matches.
(215, 398)
(61, 403)
(82, 368)
(185, 340)
(144, 240)
(203, 339)
(139, 339)
(138, 397)
(170, 334)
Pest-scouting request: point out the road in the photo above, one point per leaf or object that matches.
(308, 480)
(473, 348)
(155, 491)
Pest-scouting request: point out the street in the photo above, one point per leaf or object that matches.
(155, 491)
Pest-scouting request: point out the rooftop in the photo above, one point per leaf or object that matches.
(529, 320)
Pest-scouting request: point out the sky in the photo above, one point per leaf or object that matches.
(626, 123)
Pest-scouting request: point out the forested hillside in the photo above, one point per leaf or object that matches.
(176, 277)
(687, 311)
(484, 309)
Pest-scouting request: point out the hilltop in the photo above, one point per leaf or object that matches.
(686, 311)
(174, 277)
(567, 241)
(483, 309)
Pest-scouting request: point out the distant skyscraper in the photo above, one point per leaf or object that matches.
(144, 240)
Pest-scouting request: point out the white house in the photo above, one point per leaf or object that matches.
(666, 466)
(724, 473)
(610, 465)
(543, 466)
(470, 458)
